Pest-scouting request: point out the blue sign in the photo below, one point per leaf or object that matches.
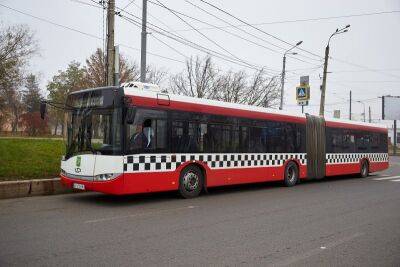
(301, 92)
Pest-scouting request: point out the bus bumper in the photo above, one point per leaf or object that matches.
(113, 187)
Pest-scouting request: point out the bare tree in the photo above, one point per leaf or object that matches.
(17, 45)
(202, 79)
(262, 90)
(230, 87)
(197, 80)
(154, 75)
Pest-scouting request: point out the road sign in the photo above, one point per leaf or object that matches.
(304, 80)
(303, 92)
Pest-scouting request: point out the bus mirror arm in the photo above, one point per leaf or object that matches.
(44, 103)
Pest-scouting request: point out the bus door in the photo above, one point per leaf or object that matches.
(316, 154)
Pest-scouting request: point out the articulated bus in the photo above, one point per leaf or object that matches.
(137, 139)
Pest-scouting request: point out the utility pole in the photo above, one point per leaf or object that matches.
(350, 107)
(284, 71)
(144, 43)
(323, 89)
(110, 42)
(283, 81)
(369, 114)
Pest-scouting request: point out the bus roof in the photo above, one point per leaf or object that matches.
(188, 103)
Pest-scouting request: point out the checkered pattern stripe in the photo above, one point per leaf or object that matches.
(169, 162)
(338, 158)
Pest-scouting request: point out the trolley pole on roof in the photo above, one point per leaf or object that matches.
(143, 43)
(323, 88)
(110, 42)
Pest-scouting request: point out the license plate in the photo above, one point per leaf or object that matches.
(78, 186)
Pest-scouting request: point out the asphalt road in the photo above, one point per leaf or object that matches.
(335, 222)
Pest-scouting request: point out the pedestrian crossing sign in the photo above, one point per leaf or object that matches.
(302, 93)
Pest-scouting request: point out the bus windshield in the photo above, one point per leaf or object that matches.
(93, 131)
(92, 127)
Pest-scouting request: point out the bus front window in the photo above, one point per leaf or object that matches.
(94, 131)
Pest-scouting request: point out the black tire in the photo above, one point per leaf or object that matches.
(291, 174)
(191, 182)
(364, 170)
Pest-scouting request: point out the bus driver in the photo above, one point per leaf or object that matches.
(142, 136)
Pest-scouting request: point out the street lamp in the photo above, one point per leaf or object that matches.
(283, 70)
(359, 101)
(322, 105)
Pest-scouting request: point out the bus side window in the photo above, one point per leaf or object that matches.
(177, 136)
(244, 139)
(362, 141)
(203, 145)
(226, 138)
(193, 140)
(375, 142)
(161, 134)
(148, 131)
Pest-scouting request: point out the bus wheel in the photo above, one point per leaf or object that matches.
(190, 182)
(291, 174)
(364, 169)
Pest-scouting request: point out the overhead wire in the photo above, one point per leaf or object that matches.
(301, 20)
(283, 41)
(202, 34)
(82, 32)
(191, 44)
(180, 37)
(251, 34)
(184, 41)
(258, 29)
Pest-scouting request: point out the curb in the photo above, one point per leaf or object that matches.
(27, 188)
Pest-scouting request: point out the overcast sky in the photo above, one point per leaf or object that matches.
(365, 60)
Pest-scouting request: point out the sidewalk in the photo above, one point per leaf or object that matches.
(26, 188)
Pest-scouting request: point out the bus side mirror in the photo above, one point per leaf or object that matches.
(42, 109)
(130, 116)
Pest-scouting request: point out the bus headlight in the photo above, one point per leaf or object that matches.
(106, 176)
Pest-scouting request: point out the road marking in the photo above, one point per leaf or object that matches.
(386, 178)
(398, 180)
(138, 214)
(313, 252)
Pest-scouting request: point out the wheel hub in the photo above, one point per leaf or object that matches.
(291, 174)
(191, 181)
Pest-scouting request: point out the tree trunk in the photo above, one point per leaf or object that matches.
(55, 128)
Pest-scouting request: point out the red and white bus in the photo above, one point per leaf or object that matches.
(136, 139)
